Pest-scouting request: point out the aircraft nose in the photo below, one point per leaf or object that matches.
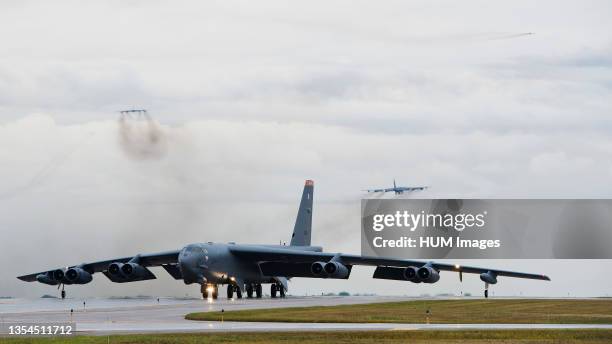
(189, 265)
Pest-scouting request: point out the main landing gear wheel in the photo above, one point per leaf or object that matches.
(258, 292)
(249, 290)
(230, 291)
(277, 288)
(204, 291)
(63, 293)
(282, 291)
(238, 292)
(486, 293)
(215, 292)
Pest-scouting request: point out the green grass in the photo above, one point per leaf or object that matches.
(341, 337)
(440, 311)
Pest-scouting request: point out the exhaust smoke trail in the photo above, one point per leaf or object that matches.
(141, 137)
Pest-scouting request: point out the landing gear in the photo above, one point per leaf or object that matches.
(486, 293)
(282, 291)
(204, 291)
(238, 292)
(249, 290)
(204, 288)
(277, 287)
(230, 291)
(258, 292)
(63, 293)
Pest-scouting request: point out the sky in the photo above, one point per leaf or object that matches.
(248, 100)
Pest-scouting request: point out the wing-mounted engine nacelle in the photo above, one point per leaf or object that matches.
(488, 277)
(115, 269)
(427, 274)
(318, 269)
(336, 270)
(410, 274)
(127, 272)
(330, 270)
(133, 270)
(78, 276)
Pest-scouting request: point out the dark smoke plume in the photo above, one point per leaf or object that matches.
(141, 137)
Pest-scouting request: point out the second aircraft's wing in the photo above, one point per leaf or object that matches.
(285, 257)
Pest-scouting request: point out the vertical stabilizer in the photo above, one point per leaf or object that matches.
(303, 222)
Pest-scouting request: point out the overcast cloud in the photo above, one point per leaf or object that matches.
(251, 99)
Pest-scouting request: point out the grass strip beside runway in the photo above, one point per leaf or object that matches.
(341, 337)
(503, 311)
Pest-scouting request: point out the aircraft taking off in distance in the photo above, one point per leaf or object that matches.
(399, 189)
(244, 268)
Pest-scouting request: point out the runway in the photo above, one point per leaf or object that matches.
(146, 315)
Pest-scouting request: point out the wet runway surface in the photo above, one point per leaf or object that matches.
(146, 315)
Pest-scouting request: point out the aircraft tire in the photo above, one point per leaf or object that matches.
(249, 290)
(238, 292)
(281, 290)
(215, 293)
(273, 290)
(486, 294)
(230, 291)
(258, 291)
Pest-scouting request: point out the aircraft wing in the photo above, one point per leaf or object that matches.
(376, 190)
(413, 188)
(146, 260)
(281, 259)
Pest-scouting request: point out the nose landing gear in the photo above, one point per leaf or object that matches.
(213, 289)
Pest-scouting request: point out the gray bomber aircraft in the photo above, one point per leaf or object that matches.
(244, 268)
(399, 189)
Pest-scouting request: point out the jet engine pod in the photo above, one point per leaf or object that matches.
(410, 274)
(318, 269)
(132, 270)
(427, 274)
(336, 270)
(58, 275)
(78, 276)
(115, 269)
(488, 277)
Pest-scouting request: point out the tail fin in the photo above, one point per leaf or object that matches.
(394, 186)
(303, 222)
